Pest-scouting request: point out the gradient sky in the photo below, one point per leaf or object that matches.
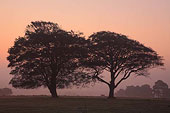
(147, 21)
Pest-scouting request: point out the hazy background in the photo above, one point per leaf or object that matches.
(147, 21)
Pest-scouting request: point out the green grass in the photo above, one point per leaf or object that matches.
(43, 104)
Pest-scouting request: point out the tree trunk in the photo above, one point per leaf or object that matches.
(53, 92)
(52, 88)
(112, 85)
(111, 91)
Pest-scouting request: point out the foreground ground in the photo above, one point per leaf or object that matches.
(43, 104)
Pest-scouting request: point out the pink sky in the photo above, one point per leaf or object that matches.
(147, 21)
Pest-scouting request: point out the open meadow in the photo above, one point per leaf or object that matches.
(45, 104)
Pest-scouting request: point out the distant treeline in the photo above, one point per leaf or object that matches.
(5, 91)
(159, 90)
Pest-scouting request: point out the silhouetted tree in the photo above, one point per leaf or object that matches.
(121, 57)
(160, 89)
(5, 92)
(47, 56)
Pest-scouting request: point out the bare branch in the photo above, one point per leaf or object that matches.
(118, 73)
(126, 75)
(101, 80)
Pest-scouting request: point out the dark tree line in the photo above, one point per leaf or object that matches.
(5, 92)
(51, 57)
(159, 90)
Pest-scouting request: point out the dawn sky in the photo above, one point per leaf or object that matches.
(147, 21)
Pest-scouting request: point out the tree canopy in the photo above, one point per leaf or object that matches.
(121, 57)
(47, 56)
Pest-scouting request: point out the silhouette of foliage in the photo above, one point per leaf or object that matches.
(5, 92)
(121, 93)
(119, 56)
(144, 91)
(161, 90)
(47, 56)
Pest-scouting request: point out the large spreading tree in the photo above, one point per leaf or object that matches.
(120, 56)
(47, 56)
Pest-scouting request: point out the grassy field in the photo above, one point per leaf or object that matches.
(43, 104)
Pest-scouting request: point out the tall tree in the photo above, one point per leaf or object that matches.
(47, 56)
(119, 56)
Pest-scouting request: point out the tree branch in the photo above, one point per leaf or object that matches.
(126, 75)
(118, 73)
(101, 80)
